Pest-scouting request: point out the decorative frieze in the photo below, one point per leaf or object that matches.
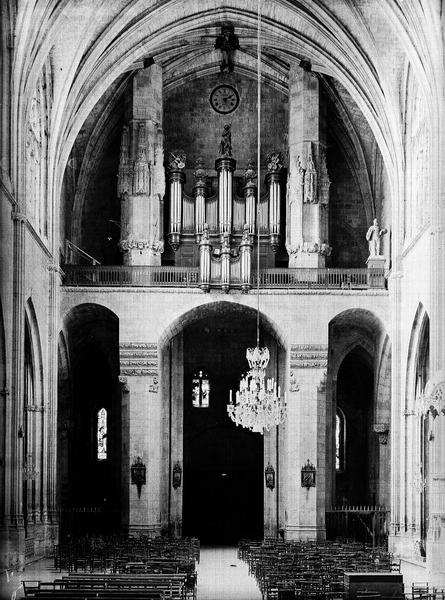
(156, 246)
(138, 359)
(308, 356)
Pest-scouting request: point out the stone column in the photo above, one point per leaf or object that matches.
(141, 179)
(305, 441)
(49, 465)
(13, 533)
(308, 182)
(435, 551)
(143, 432)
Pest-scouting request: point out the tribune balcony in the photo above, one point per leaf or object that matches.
(191, 277)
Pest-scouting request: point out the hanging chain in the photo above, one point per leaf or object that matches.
(258, 169)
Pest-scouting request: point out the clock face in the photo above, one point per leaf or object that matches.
(224, 99)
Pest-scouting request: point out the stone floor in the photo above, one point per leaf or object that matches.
(221, 576)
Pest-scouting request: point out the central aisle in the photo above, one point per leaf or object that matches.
(222, 576)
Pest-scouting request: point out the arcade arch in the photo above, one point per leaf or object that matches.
(223, 465)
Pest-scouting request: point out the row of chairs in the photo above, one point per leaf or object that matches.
(112, 553)
(110, 587)
(423, 591)
(312, 570)
(111, 568)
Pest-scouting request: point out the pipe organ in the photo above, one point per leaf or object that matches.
(215, 226)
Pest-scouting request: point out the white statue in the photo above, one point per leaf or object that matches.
(373, 236)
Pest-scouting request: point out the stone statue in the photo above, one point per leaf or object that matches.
(227, 42)
(225, 242)
(373, 236)
(310, 181)
(250, 173)
(225, 145)
(205, 233)
(246, 235)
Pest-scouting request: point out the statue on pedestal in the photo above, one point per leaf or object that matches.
(225, 145)
(373, 236)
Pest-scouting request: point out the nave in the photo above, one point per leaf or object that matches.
(161, 569)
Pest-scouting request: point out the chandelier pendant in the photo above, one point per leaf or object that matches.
(258, 403)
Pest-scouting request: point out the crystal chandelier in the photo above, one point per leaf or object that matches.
(258, 403)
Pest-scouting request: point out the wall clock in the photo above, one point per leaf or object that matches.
(224, 99)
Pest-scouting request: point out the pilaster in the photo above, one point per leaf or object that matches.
(14, 534)
(305, 442)
(142, 433)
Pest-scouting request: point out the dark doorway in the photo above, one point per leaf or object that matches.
(223, 463)
(355, 479)
(89, 428)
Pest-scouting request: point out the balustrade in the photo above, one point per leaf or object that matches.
(225, 270)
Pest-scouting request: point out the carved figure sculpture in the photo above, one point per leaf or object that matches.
(246, 235)
(274, 161)
(205, 232)
(250, 173)
(227, 42)
(373, 236)
(176, 160)
(199, 173)
(310, 181)
(225, 145)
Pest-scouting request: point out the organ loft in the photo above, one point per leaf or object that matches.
(222, 295)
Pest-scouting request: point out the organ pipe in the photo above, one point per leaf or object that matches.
(225, 168)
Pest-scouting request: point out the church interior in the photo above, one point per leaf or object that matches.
(222, 292)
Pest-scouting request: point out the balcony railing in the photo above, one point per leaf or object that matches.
(321, 278)
(132, 276)
(188, 277)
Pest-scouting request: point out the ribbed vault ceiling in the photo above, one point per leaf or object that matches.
(365, 45)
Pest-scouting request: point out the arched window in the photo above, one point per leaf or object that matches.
(340, 440)
(102, 434)
(200, 389)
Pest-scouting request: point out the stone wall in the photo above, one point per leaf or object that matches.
(192, 125)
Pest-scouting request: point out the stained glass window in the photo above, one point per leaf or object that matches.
(340, 440)
(200, 389)
(102, 434)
